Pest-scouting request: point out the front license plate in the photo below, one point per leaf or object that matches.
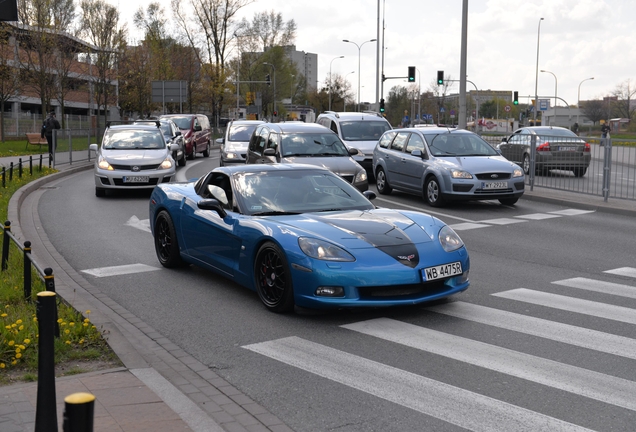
(442, 271)
(567, 148)
(494, 185)
(136, 179)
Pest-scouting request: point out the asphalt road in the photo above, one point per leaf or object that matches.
(542, 340)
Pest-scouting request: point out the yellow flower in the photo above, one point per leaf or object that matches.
(11, 343)
(71, 324)
(2, 366)
(18, 355)
(21, 328)
(14, 362)
(19, 321)
(68, 342)
(17, 350)
(60, 320)
(67, 331)
(88, 312)
(3, 316)
(27, 341)
(85, 324)
(86, 320)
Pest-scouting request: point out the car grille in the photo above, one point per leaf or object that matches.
(403, 291)
(489, 176)
(493, 192)
(141, 167)
(120, 182)
(462, 187)
(348, 178)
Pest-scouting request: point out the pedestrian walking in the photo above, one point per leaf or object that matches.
(47, 131)
(605, 130)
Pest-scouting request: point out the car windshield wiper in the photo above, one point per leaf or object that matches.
(275, 213)
(296, 155)
(328, 210)
(328, 154)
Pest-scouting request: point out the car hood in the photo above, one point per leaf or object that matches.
(365, 147)
(236, 145)
(340, 165)
(392, 232)
(478, 163)
(129, 157)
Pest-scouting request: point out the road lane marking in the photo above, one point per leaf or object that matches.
(142, 224)
(623, 271)
(599, 286)
(538, 216)
(556, 331)
(427, 396)
(120, 270)
(571, 304)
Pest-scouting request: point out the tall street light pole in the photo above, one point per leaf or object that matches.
(555, 95)
(330, 84)
(359, 48)
(578, 99)
(274, 68)
(536, 78)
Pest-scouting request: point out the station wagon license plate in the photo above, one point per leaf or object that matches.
(567, 148)
(136, 179)
(494, 185)
(442, 271)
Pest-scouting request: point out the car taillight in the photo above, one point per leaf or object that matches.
(544, 147)
(587, 148)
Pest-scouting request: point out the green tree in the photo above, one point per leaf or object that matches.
(594, 110)
(10, 83)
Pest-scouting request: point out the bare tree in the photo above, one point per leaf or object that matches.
(10, 84)
(594, 110)
(100, 25)
(622, 106)
(269, 29)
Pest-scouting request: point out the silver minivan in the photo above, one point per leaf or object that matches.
(235, 140)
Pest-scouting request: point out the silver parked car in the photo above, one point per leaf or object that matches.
(556, 148)
(234, 142)
(306, 143)
(133, 156)
(445, 165)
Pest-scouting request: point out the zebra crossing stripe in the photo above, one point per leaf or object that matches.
(623, 271)
(454, 405)
(599, 286)
(120, 270)
(573, 379)
(571, 304)
(569, 334)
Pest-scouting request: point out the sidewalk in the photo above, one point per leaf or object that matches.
(160, 388)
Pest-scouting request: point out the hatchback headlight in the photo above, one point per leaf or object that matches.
(166, 164)
(449, 239)
(103, 164)
(322, 250)
(460, 174)
(361, 176)
(517, 173)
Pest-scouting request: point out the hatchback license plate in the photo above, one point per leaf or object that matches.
(136, 179)
(568, 148)
(494, 185)
(442, 271)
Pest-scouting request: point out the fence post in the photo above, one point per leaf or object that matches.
(46, 407)
(49, 284)
(79, 411)
(27, 270)
(11, 171)
(4, 177)
(5, 245)
(607, 166)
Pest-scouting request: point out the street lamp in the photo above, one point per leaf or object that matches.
(555, 94)
(344, 102)
(536, 78)
(330, 78)
(291, 90)
(578, 99)
(274, 68)
(359, 48)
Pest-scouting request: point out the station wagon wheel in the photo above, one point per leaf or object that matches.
(382, 183)
(579, 172)
(509, 201)
(433, 193)
(100, 192)
(526, 164)
(206, 152)
(166, 245)
(272, 278)
(182, 161)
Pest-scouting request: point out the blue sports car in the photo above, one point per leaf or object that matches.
(300, 235)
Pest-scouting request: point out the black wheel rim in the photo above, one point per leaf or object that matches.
(163, 239)
(271, 277)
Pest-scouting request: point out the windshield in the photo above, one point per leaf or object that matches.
(285, 192)
(367, 130)
(241, 132)
(166, 129)
(128, 139)
(182, 122)
(312, 144)
(453, 144)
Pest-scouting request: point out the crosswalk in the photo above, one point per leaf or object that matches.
(469, 225)
(481, 412)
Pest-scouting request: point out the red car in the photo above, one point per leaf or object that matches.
(196, 132)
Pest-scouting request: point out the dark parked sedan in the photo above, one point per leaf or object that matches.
(556, 148)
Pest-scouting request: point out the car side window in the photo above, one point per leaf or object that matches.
(415, 143)
(262, 140)
(333, 127)
(399, 142)
(253, 146)
(386, 139)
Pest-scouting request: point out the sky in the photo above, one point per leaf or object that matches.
(576, 40)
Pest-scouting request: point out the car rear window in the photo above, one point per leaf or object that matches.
(367, 130)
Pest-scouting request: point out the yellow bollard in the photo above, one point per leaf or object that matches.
(79, 409)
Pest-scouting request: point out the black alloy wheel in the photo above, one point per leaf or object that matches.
(272, 278)
(166, 245)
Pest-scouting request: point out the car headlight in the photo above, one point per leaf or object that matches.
(449, 239)
(517, 173)
(167, 163)
(455, 173)
(322, 250)
(103, 164)
(361, 176)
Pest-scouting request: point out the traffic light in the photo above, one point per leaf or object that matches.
(381, 105)
(268, 79)
(411, 73)
(440, 77)
(515, 98)
(275, 113)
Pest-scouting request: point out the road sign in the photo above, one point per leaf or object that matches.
(507, 108)
(544, 104)
(442, 109)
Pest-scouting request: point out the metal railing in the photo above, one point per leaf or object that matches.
(610, 174)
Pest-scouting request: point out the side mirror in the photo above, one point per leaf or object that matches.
(353, 151)
(504, 139)
(93, 147)
(269, 152)
(370, 195)
(173, 147)
(419, 153)
(220, 140)
(197, 128)
(214, 205)
(177, 133)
